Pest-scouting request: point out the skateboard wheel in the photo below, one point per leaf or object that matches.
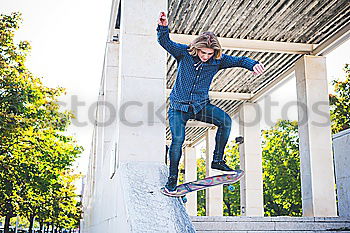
(231, 187)
(184, 199)
(239, 140)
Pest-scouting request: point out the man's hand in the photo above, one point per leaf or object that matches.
(162, 20)
(258, 69)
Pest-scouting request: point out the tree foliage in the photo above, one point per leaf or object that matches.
(201, 195)
(281, 173)
(64, 203)
(34, 151)
(232, 197)
(340, 103)
(281, 170)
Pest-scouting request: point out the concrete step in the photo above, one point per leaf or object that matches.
(207, 224)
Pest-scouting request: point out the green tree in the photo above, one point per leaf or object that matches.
(340, 103)
(232, 198)
(12, 58)
(201, 195)
(66, 208)
(33, 147)
(281, 170)
(41, 170)
(201, 174)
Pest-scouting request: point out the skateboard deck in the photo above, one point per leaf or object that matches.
(183, 189)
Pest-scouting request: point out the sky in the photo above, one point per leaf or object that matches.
(68, 40)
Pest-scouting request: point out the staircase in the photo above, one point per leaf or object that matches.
(207, 224)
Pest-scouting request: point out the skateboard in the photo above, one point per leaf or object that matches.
(183, 189)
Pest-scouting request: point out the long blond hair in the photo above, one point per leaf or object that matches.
(206, 40)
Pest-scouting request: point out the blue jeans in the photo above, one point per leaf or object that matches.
(209, 114)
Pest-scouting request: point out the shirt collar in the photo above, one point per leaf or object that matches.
(211, 61)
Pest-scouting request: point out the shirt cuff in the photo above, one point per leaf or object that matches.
(162, 28)
(250, 63)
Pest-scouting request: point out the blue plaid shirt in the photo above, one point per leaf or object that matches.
(194, 77)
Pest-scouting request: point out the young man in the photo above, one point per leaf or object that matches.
(189, 98)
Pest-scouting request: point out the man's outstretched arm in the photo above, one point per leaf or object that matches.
(175, 49)
(244, 62)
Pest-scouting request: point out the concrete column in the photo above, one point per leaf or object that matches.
(191, 175)
(99, 132)
(141, 86)
(214, 195)
(108, 203)
(110, 114)
(317, 172)
(252, 203)
(98, 158)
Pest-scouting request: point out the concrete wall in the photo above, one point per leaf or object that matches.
(102, 185)
(126, 167)
(341, 148)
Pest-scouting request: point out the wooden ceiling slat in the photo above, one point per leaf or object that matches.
(174, 12)
(212, 18)
(248, 18)
(305, 25)
(183, 22)
(268, 29)
(260, 17)
(226, 16)
(257, 27)
(238, 19)
(275, 23)
(302, 21)
(326, 30)
(201, 24)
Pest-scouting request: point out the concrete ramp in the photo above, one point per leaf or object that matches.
(146, 209)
